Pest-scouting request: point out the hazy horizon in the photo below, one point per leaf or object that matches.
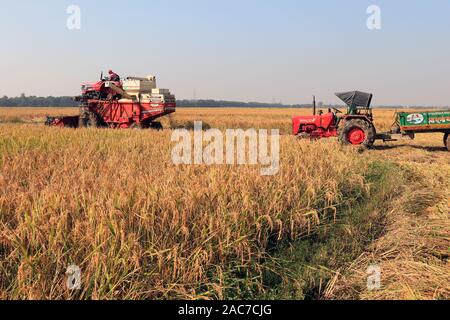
(251, 51)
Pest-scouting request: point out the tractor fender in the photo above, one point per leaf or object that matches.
(357, 116)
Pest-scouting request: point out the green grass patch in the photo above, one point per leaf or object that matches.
(301, 269)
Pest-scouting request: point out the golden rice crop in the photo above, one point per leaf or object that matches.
(216, 117)
(140, 227)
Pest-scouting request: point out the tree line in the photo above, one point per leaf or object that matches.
(67, 101)
(33, 101)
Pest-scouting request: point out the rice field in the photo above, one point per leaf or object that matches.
(139, 227)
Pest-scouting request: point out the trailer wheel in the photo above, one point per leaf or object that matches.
(357, 132)
(447, 140)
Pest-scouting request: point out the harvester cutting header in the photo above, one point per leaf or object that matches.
(132, 102)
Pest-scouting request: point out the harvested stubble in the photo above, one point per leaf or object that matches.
(413, 252)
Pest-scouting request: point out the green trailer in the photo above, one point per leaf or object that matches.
(408, 124)
(435, 121)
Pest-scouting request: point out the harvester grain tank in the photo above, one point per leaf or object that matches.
(133, 102)
(356, 126)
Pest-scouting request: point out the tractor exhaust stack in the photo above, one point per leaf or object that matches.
(314, 106)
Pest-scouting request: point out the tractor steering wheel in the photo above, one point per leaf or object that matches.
(337, 110)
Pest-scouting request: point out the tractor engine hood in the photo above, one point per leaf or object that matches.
(318, 121)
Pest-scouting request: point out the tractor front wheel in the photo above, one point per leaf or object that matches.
(447, 140)
(303, 135)
(357, 132)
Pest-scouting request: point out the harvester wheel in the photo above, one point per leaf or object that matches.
(82, 121)
(357, 132)
(396, 129)
(156, 126)
(447, 140)
(88, 120)
(92, 120)
(136, 126)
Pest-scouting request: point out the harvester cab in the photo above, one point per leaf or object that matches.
(97, 91)
(355, 127)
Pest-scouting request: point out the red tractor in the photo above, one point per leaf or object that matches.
(355, 127)
(129, 103)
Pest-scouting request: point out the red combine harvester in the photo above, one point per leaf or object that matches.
(355, 127)
(130, 103)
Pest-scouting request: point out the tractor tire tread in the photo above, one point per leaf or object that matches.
(366, 126)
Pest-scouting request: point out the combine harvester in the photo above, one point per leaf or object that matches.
(356, 126)
(131, 103)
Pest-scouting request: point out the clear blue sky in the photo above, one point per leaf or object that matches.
(248, 50)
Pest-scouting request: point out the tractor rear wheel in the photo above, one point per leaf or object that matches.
(357, 132)
(447, 140)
